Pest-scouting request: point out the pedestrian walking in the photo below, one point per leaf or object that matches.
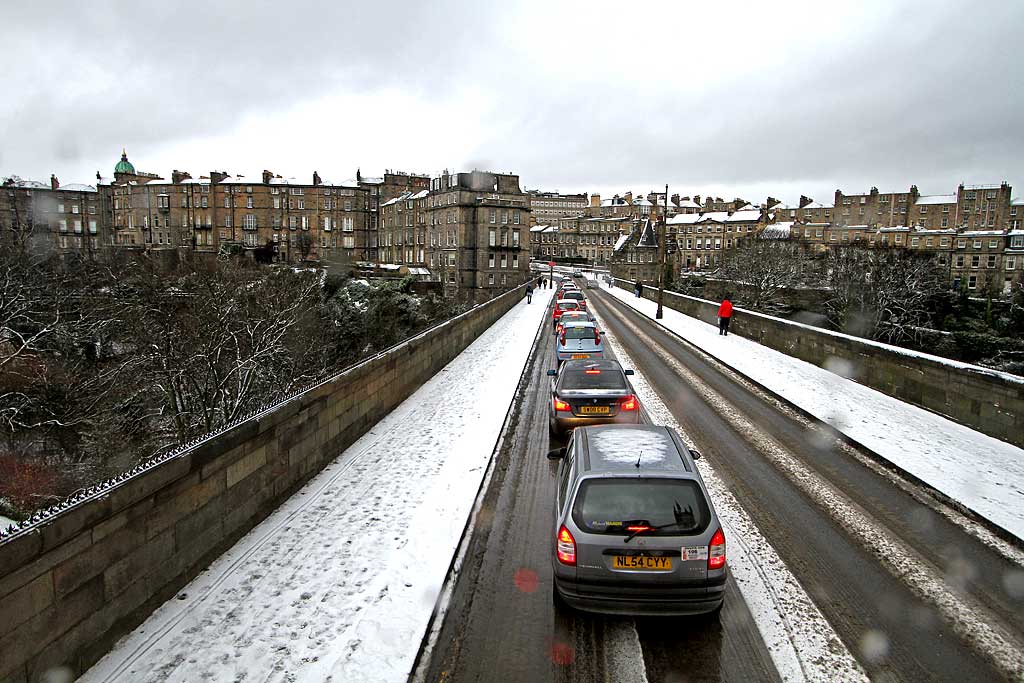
(529, 292)
(724, 315)
(638, 289)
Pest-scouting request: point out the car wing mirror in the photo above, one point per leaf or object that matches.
(695, 453)
(552, 373)
(629, 372)
(556, 454)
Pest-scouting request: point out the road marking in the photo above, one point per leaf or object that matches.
(992, 640)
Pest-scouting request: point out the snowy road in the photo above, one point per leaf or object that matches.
(913, 594)
(340, 582)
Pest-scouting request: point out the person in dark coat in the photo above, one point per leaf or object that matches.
(724, 316)
(638, 288)
(529, 292)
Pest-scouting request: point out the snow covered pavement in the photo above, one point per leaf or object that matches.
(339, 583)
(983, 474)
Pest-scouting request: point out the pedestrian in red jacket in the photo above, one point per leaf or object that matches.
(724, 316)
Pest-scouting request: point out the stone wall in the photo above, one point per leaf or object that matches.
(989, 401)
(80, 578)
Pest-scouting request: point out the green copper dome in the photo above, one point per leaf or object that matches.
(124, 166)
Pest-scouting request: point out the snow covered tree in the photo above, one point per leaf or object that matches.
(766, 268)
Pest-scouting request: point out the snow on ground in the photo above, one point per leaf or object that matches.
(339, 583)
(6, 522)
(984, 474)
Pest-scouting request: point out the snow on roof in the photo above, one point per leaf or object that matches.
(719, 216)
(621, 242)
(818, 205)
(982, 233)
(1017, 201)
(777, 231)
(420, 195)
(688, 204)
(415, 270)
(937, 231)
(895, 228)
(684, 219)
(29, 184)
(1015, 233)
(77, 187)
(744, 215)
(193, 181)
(932, 199)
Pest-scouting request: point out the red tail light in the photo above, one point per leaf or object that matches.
(561, 405)
(591, 371)
(566, 547)
(642, 527)
(597, 337)
(628, 403)
(716, 551)
(561, 337)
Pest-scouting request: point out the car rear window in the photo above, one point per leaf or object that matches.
(568, 306)
(574, 295)
(580, 378)
(608, 506)
(579, 332)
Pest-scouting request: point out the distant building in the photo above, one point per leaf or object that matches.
(478, 233)
(287, 220)
(547, 208)
(51, 218)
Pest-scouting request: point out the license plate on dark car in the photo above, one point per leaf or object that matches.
(580, 356)
(594, 410)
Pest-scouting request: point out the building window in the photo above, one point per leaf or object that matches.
(993, 244)
(515, 261)
(991, 260)
(492, 237)
(914, 241)
(248, 202)
(490, 260)
(250, 221)
(515, 238)
(504, 260)
(490, 278)
(1011, 262)
(975, 261)
(972, 282)
(227, 221)
(493, 216)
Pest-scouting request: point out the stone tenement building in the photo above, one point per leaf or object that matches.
(47, 218)
(277, 219)
(382, 190)
(470, 230)
(579, 237)
(548, 207)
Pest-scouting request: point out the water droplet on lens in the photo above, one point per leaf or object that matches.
(874, 646)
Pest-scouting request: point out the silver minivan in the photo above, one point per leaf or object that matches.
(635, 531)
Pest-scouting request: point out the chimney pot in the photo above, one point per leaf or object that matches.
(54, 183)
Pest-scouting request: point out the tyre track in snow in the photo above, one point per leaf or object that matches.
(891, 604)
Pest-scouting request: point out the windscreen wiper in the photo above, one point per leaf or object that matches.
(639, 530)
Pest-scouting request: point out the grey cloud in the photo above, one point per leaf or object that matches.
(913, 92)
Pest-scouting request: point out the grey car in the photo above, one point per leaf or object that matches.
(635, 531)
(591, 392)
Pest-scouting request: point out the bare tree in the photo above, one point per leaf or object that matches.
(767, 268)
(217, 345)
(882, 294)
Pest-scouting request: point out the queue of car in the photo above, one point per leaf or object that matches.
(635, 531)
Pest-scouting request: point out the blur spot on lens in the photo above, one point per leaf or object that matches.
(526, 580)
(874, 646)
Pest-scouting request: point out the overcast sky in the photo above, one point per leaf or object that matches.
(730, 98)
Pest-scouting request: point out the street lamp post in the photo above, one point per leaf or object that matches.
(662, 226)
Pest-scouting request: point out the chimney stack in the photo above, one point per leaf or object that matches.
(316, 178)
(595, 200)
(177, 176)
(267, 175)
(54, 183)
(804, 201)
(217, 176)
